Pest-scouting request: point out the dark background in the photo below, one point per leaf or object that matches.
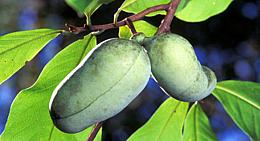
(228, 43)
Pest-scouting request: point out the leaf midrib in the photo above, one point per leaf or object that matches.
(161, 131)
(86, 47)
(195, 122)
(238, 96)
(28, 41)
(51, 133)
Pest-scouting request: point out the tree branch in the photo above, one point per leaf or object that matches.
(104, 27)
(94, 132)
(166, 23)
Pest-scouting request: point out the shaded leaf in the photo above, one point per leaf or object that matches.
(29, 117)
(197, 126)
(19, 47)
(241, 100)
(87, 7)
(166, 123)
(78, 5)
(140, 26)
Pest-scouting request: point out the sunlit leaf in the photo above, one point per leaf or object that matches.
(200, 10)
(136, 6)
(197, 126)
(29, 118)
(140, 26)
(19, 47)
(188, 10)
(124, 5)
(241, 100)
(166, 123)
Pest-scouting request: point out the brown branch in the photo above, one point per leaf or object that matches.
(130, 24)
(104, 27)
(94, 132)
(75, 29)
(166, 23)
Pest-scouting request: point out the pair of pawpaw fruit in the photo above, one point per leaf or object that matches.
(117, 70)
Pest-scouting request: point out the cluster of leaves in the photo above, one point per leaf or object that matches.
(29, 117)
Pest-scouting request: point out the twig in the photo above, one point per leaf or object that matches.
(104, 27)
(166, 23)
(75, 29)
(94, 132)
(130, 24)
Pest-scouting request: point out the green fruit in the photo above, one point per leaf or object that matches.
(176, 68)
(104, 83)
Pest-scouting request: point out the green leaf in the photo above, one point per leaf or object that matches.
(29, 118)
(87, 7)
(136, 6)
(99, 135)
(165, 125)
(188, 10)
(78, 5)
(88, 132)
(140, 26)
(124, 5)
(19, 47)
(201, 10)
(197, 126)
(241, 100)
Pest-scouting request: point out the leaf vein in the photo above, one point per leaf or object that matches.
(23, 43)
(238, 96)
(168, 120)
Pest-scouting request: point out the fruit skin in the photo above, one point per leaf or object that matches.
(102, 85)
(176, 68)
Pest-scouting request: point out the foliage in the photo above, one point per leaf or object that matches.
(19, 47)
(141, 26)
(196, 126)
(29, 117)
(188, 10)
(242, 102)
(169, 117)
(87, 7)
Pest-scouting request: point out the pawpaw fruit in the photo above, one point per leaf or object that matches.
(177, 69)
(103, 84)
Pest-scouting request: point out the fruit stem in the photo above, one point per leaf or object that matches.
(166, 22)
(94, 132)
(103, 27)
(130, 24)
